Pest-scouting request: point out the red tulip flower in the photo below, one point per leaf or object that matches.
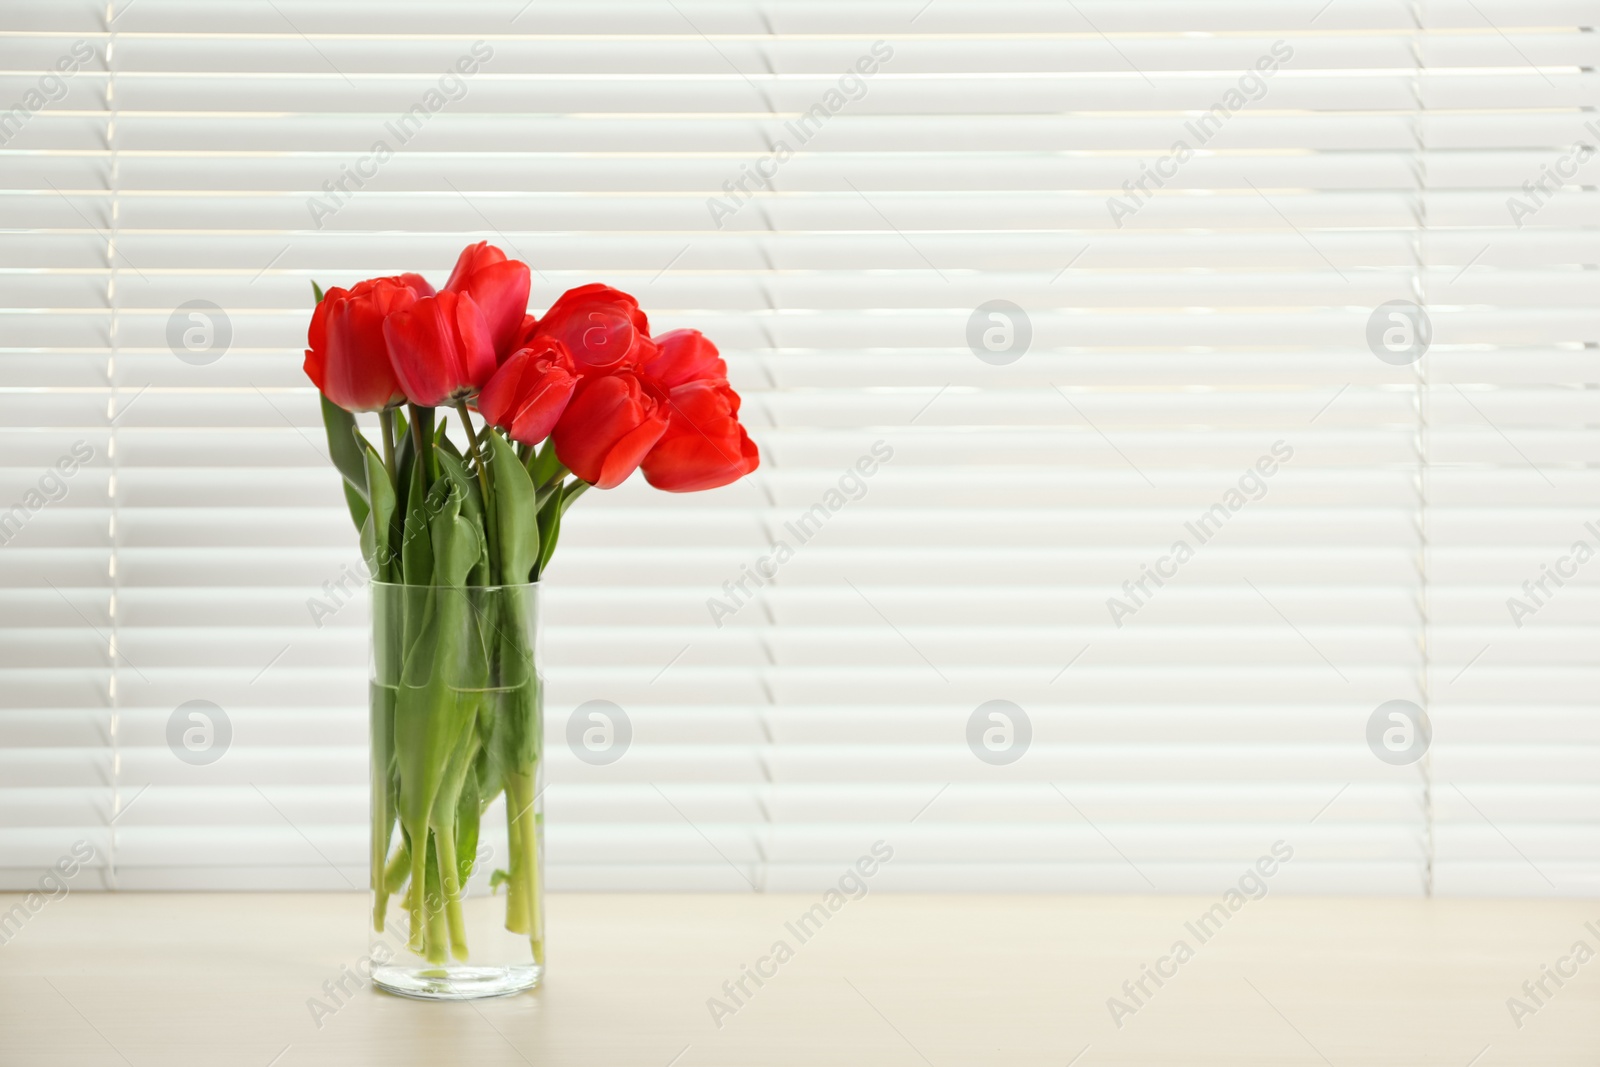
(610, 425)
(441, 349)
(684, 356)
(704, 446)
(526, 331)
(602, 327)
(348, 359)
(530, 391)
(499, 286)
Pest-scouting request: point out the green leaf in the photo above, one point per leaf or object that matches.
(443, 442)
(457, 542)
(511, 739)
(432, 710)
(425, 427)
(376, 548)
(468, 811)
(358, 507)
(544, 465)
(452, 470)
(316, 291)
(550, 512)
(574, 490)
(516, 514)
(416, 547)
(551, 509)
(485, 769)
(402, 462)
(345, 445)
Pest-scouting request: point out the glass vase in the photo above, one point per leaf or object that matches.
(457, 724)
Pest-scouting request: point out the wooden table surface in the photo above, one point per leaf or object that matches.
(229, 979)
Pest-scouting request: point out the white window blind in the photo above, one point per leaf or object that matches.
(840, 227)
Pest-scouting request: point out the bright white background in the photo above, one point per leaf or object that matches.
(1167, 350)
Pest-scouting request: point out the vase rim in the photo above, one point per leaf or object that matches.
(489, 588)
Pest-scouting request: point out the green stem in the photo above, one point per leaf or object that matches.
(386, 420)
(525, 864)
(394, 875)
(490, 530)
(438, 934)
(383, 816)
(555, 478)
(455, 920)
(419, 889)
(516, 901)
(443, 821)
(416, 432)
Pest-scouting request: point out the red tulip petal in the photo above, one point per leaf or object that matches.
(611, 423)
(602, 327)
(474, 347)
(346, 357)
(501, 291)
(579, 444)
(473, 258)
(704, 446)
(417, 350)
(685, 356)
(538, 417)
(416, 283)
(317, 338)
(498, 399)
(529, 393)
(499, 286)
(629, 451)
(679, 466)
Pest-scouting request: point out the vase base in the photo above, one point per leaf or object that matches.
(456, 981)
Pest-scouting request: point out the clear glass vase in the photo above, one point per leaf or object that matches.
(457, 725)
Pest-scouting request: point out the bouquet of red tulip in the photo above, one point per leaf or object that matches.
(455, 537)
